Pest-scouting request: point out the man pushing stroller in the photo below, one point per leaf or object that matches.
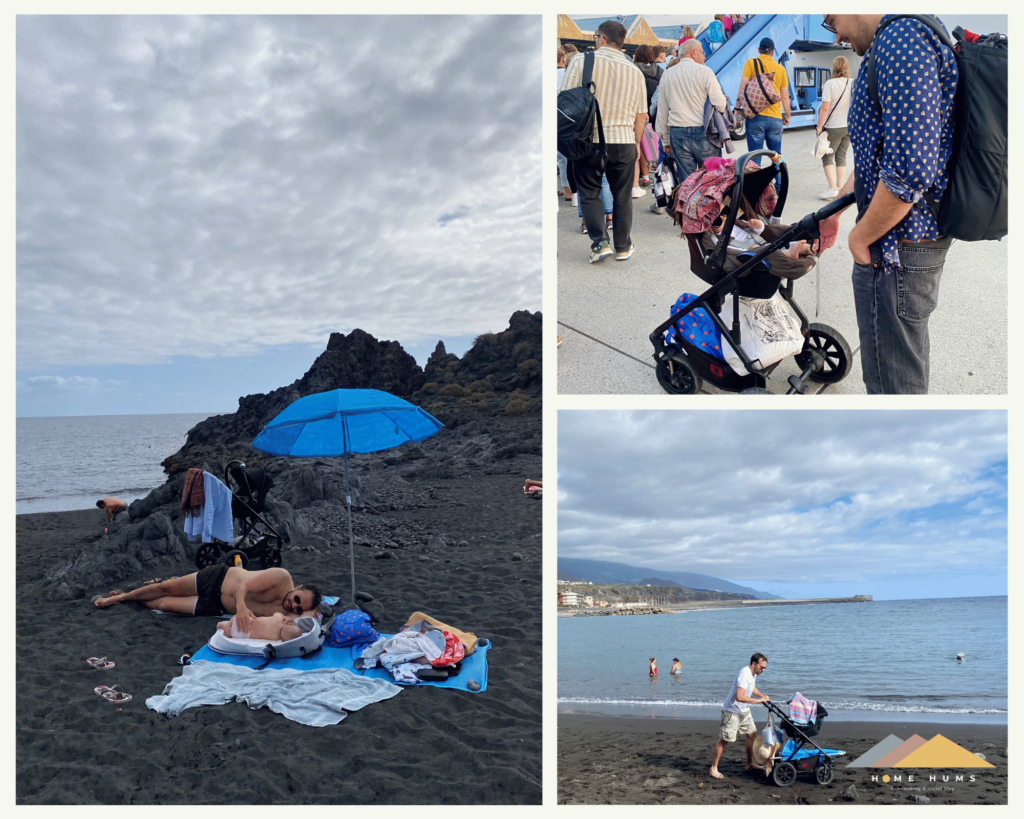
(736, 717)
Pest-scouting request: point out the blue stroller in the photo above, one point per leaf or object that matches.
(794, 757)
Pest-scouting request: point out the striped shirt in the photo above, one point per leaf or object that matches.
(684, 89)
(620, 90)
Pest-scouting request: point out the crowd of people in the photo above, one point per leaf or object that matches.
(668, 103)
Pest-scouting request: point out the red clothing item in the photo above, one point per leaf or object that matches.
(454, 651)
(727, 22)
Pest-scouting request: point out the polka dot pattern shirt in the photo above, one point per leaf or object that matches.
(907, 143)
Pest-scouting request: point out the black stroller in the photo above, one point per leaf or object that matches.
(825, 357)
(259, 540)
(794, 757)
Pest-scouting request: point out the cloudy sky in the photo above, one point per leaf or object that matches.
(898, 504)
(202, 200)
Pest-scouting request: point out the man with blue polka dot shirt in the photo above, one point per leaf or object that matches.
(901, 151)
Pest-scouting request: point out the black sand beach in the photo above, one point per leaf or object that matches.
(426, 745)
(629, 761)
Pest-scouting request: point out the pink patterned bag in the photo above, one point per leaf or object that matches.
(650, 144)
(699, 197)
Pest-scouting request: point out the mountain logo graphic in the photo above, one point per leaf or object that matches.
(917, 752)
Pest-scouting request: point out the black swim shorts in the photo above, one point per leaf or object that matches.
(208, 583)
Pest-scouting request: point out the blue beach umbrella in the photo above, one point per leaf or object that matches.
(328, 424)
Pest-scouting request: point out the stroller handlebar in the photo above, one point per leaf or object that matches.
(833, 207)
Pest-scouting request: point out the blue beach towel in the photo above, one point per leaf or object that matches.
(474, 667)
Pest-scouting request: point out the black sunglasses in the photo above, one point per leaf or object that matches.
(828, 27)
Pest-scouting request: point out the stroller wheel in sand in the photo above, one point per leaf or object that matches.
(833, 349)
(207, 555)
(270, 559)
(784, 774)
(678, 376)
(824, 773)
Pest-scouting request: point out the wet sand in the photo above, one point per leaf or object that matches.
(622, 761)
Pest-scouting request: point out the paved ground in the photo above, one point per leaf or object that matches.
(607, 310)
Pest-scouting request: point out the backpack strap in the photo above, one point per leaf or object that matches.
(588, 82)
(872, 81)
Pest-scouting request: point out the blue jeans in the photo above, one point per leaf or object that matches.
(892, 316)
(762, 130)
(690, 148)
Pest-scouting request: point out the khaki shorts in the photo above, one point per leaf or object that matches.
(733, 723)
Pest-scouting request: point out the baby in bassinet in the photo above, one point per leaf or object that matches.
(789, 262)
(274, 627)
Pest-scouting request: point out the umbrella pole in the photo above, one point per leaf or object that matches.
(348, 505)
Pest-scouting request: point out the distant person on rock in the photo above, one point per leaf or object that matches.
(112, 506)
(736, 716)
(222, 589)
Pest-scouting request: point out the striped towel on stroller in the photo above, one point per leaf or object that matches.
(802, 710)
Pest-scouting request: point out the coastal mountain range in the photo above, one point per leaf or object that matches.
(605, 572)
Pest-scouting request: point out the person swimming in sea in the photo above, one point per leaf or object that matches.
(677, 667)
(654, 668)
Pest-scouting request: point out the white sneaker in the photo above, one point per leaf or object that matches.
(638, 192)
(829, 194)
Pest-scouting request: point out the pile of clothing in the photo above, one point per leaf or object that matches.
(424, 650)
(206, 504)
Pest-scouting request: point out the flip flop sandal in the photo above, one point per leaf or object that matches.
(113, 693)
(100, 663)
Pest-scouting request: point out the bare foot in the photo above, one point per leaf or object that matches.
(109, 600)
(716, 775)
(753, 766)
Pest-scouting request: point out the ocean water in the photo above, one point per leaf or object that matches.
(885, 660)
(70, 463)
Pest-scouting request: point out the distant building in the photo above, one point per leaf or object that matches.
(568, 599)
(588, 601)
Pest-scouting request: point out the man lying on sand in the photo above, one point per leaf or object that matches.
(222, 589)
(275, 627)
(736, 716)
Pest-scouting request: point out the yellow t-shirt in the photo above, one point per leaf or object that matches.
(768, 65)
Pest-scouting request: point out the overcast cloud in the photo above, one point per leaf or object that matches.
(213, 185)
(788, 496)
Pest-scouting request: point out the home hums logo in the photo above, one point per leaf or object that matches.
(917, 752)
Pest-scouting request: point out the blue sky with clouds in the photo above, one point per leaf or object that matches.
(897, 504)
(202, 200)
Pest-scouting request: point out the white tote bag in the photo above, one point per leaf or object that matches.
(768, 332)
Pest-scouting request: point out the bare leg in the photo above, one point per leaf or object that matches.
(830, 175)
(841, 175)
(174, 605)
(719, 747)
(178, 587)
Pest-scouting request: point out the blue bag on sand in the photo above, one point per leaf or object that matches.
(352, 628)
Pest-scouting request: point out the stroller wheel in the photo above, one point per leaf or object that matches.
(683, 378)
(229, 558)
(824, 773)
(831, 345)
(207, 555)
(270, 559)
(784, 774)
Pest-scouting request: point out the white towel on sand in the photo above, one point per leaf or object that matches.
(315, 696)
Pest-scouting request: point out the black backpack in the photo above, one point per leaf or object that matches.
(577, 110)
(975, 205)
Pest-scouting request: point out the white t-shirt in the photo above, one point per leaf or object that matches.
(744, 680)
(833, 93)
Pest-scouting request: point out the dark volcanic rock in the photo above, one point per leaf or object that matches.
(489, 401)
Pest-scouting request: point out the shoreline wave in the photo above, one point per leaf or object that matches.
(832, 705)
